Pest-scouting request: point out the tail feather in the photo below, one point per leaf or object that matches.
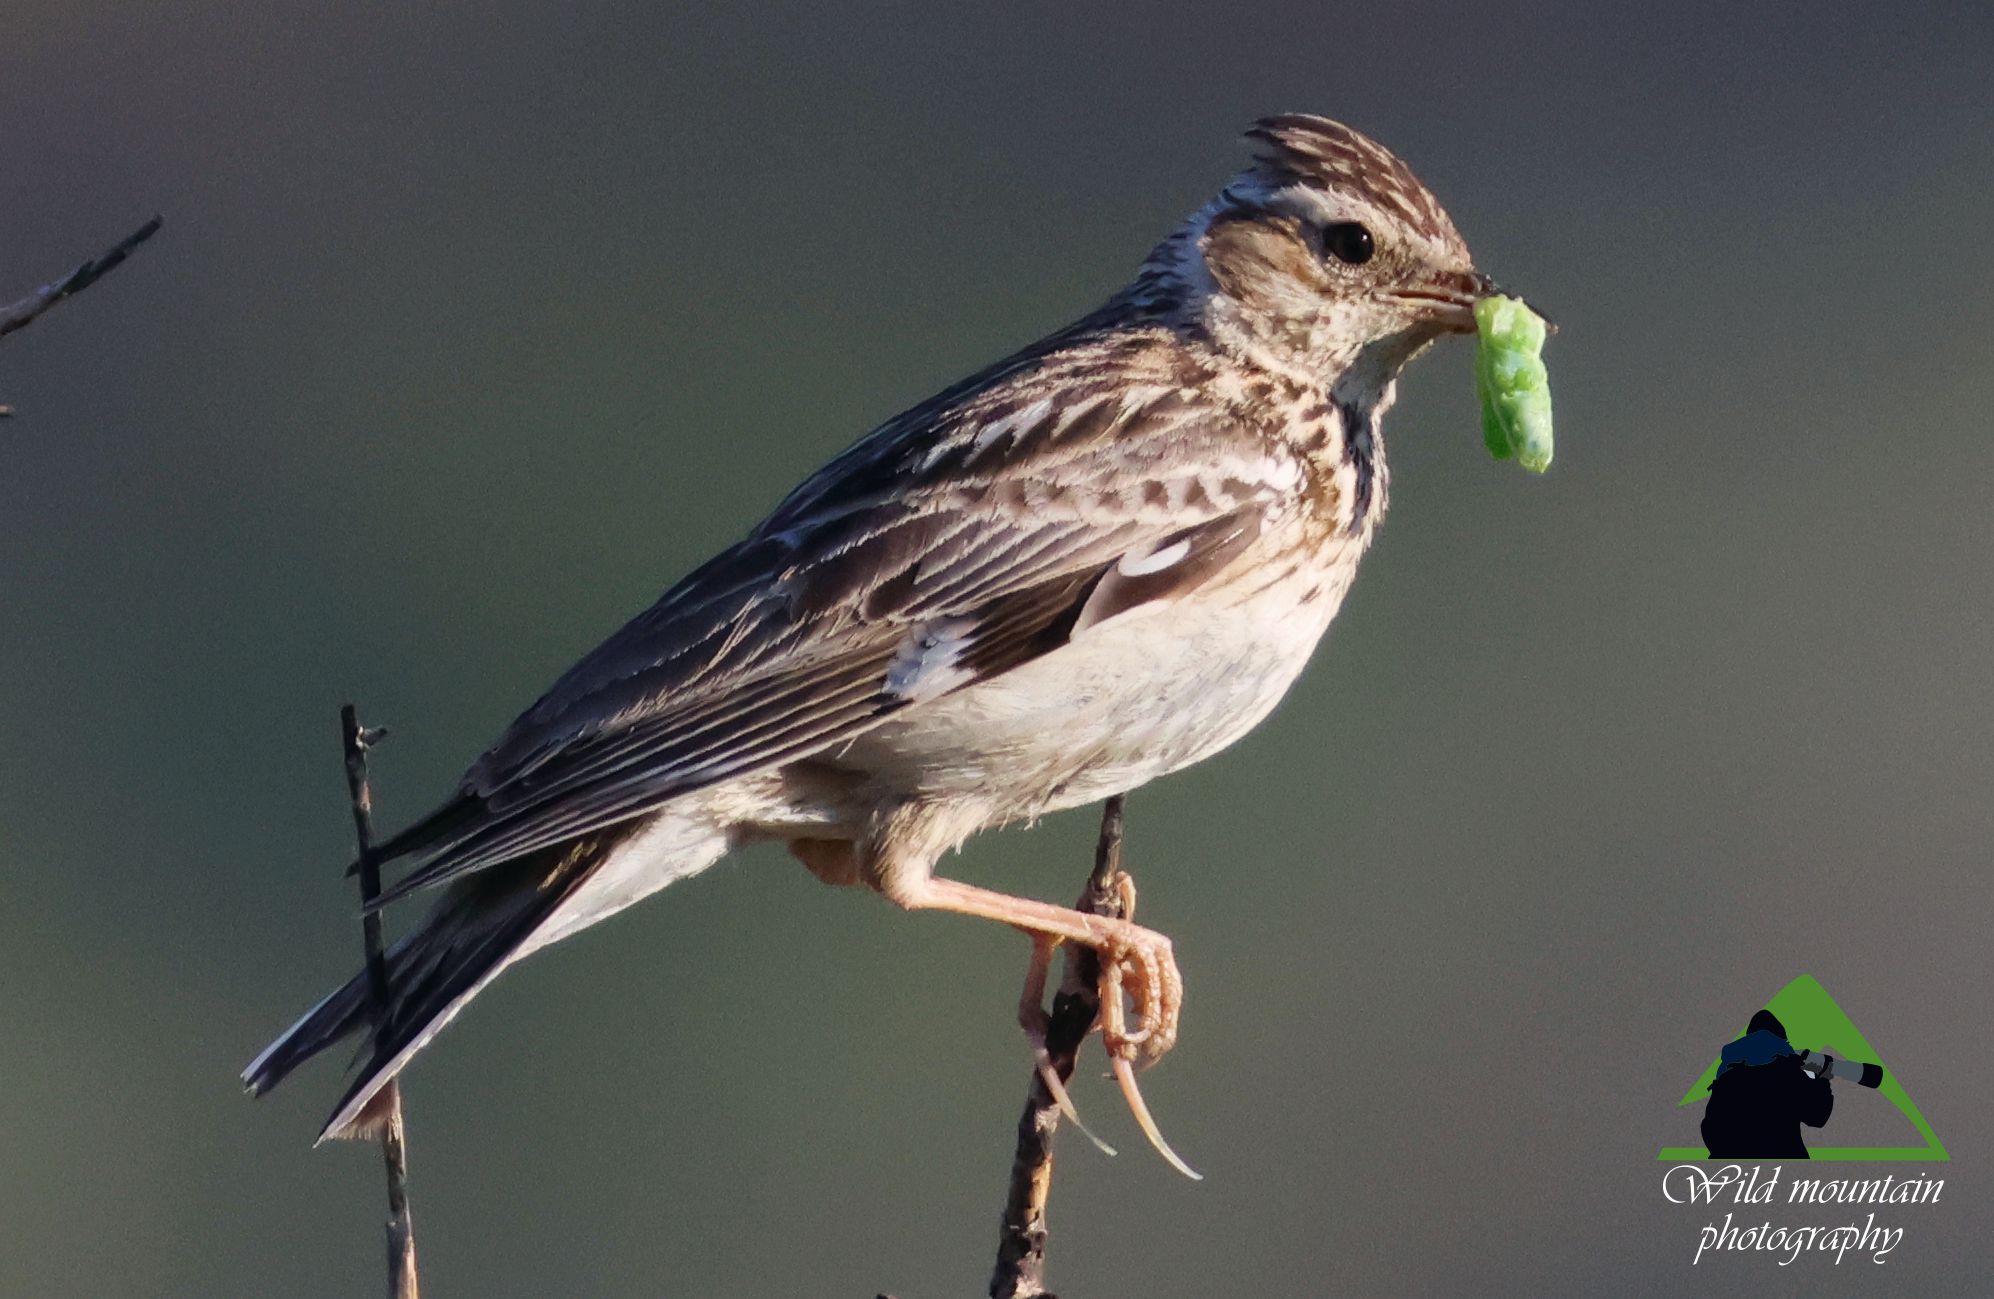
(340, 1015)
(479, 926)
(462, 810)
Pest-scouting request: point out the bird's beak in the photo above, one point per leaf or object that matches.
(1448, 300)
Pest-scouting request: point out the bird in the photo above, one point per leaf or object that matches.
(1093, 563)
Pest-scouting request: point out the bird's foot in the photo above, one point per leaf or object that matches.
(1140, 963)
(1135, 962)
(1136, 965)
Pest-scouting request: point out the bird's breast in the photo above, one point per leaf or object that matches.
(1134, 698)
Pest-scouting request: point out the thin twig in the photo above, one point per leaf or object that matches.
(1020, 1272)
(28, 309)
(356, 739)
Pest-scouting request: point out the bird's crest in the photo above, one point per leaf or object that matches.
(1299, 148)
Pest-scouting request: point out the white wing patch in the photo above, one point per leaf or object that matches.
(929, 660)
(1137, 564)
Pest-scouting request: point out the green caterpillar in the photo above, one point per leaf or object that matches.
(1514, 387)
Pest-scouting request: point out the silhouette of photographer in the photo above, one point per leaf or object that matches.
(1761, 1096)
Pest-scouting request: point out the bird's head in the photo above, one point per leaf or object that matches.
(1326, 259)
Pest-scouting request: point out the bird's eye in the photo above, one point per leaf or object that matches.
(1347, 241)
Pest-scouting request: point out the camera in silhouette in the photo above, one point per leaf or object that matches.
(1862, 1075)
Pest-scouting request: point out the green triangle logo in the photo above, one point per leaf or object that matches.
(1812, 1018)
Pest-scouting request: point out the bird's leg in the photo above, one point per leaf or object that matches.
(838, 862)
(1136, 960)
(1133, 959)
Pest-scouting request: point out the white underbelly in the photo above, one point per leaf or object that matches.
(1134, 698)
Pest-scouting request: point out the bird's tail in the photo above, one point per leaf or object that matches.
(481, 924)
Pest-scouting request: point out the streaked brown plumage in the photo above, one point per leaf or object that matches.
(1095, 562)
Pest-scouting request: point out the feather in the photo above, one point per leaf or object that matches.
(951, 545)
(474, 931)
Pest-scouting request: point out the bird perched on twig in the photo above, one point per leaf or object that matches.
(1093, 563)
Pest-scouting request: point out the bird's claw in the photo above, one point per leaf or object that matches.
(1135, 962)
(1140, 962)
(1033, 1019)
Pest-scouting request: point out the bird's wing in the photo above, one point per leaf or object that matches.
(924, 566)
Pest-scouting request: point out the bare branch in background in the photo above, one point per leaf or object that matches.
(356, 739)
(1021, 1243)
(30, 308)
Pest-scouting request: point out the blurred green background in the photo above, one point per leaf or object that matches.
(473, 326)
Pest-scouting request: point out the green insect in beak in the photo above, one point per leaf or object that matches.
(1511, 380)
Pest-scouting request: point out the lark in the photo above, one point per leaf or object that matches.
(1096, 562)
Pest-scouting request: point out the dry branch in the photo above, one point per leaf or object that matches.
(356, 740)
(30, 308)
(1021, 1242)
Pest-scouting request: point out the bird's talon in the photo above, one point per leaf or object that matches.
(1132, 961)
(1057, 1090)
(1125, 1075)
(1032, 1017)
(1124, 886)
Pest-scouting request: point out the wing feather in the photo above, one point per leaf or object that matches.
(951, 545)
